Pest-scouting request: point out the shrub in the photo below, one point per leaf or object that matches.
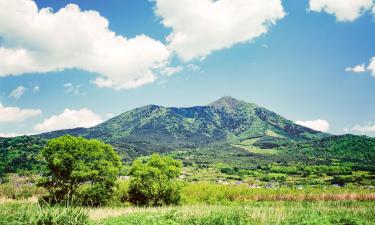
(153, 181)
(73, 162)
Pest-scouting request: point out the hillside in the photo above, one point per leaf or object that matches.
(226, 131)
(156, 128)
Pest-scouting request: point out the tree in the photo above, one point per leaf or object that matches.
(75, 162)
(154, 181)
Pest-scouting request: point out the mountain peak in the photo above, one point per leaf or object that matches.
(226, 102)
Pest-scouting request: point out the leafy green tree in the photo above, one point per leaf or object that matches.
(75, 162)
(154, 181)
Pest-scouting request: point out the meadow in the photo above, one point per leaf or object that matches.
(254, 212)
(201, 203)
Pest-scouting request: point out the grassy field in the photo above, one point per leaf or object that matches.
(202, 202)
(206, 203)
(278, 212)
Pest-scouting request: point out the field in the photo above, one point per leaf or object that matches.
(205, 203)
(276, 212)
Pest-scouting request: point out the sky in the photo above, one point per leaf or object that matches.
(77, 63)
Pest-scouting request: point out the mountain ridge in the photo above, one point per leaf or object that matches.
(224, 120)
(224, 131)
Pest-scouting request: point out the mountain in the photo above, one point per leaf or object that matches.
(226, 131)
(156, 128)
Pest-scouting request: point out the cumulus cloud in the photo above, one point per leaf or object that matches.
(18, 92)
(362, 68)
(319, 124)
(364, 129)
(344, 10)
(39, 40)
(356, 69)
(15, 114)
(69, 119)
(200, 27)
(169, 71)
(371, 66)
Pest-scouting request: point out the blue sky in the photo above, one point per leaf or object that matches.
(302, 67)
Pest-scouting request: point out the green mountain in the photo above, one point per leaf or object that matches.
(156, 128)
(226, 131)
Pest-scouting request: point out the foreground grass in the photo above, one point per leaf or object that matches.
(33, 214)
(319, 213)
(207, 193)
(281, 212)
(207, 203)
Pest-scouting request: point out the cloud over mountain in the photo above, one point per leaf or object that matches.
(69, 119)
(319, 124)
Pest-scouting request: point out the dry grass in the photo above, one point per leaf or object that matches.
(262, 212)
(33, 199)
(348, 196)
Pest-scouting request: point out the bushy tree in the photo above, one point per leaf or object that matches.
(80, 169)
(154, 181)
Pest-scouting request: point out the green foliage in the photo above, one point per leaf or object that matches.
(76, 162)
(153, 182)
(345, 148)
(21, 154)
(317, 218)
(233, 216)
(15, 214)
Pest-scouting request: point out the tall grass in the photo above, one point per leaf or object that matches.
(285, 213)
(20, 187)
(33, 214)
(196, 193)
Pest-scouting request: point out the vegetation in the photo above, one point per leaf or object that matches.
(21, 155)
(267, 213)
(230, 162)
(14, 214)
(154, 183)
(256, 213)
(80, 168)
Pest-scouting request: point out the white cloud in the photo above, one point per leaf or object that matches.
(15, 114)
(40, 40)
(344, 10)
(367, 128)
(319, 124)
(371, 66)
(202, 26)
(18, 92)
(169, 71)
(69, 119)
(193, 67)
(357, 69)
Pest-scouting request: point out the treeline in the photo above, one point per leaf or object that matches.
(345, 148)
(21, 155)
